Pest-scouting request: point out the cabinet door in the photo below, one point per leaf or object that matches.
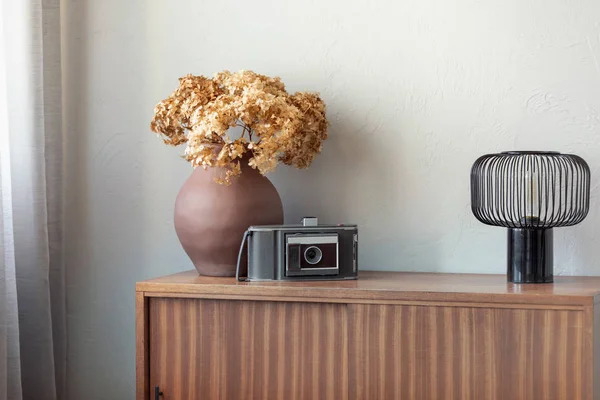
(422, 352)
(227, 349)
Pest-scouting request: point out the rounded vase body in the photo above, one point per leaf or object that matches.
(210, 218)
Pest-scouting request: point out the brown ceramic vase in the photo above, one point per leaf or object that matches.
(210, 218)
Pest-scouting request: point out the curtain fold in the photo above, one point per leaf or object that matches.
(32, 286)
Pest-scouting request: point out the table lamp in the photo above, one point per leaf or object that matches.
(530, 192)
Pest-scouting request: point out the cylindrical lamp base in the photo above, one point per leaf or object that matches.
(530, 255)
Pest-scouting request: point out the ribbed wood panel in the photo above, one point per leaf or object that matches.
(389, 335)
(223, 349)
(415, 352)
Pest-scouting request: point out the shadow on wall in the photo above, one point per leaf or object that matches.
(104, 205)
(358, 179)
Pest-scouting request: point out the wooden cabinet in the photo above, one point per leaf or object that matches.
(235, 349)
(386, 336)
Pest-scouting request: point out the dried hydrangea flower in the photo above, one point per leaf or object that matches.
(277, 127)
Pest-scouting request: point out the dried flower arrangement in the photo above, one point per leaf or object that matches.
(277, 127)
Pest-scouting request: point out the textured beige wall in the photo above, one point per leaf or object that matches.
(416, 90)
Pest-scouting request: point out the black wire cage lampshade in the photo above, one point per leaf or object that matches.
(530, 192)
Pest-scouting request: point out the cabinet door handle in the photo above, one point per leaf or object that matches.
(157, 393)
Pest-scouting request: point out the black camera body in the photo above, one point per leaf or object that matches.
(299, 252)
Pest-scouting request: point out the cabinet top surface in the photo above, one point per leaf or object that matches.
(397, 286)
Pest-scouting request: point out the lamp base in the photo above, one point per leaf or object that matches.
(530, 255)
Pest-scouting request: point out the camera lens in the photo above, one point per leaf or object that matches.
(313, 255)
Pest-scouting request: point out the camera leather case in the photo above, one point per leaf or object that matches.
(299, 252)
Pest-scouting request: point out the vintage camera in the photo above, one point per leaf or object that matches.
(299, 252)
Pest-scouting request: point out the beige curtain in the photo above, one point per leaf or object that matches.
(32, 287)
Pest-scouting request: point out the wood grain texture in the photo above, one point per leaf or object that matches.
(220, 349)
(387, 335)
(591, 368)
(415, 352)
(141, 343)
(390, 286)
(368, 301)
